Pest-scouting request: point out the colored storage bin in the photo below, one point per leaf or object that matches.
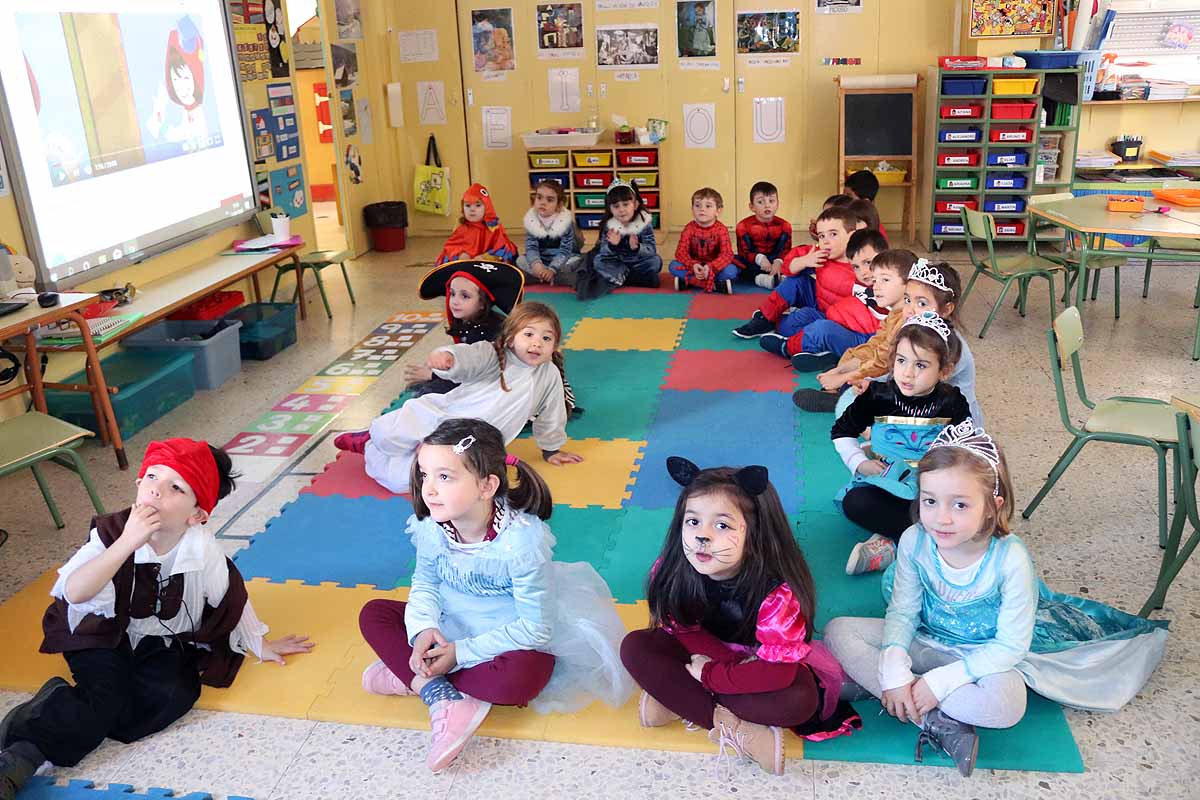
(1047, 157)
(966, 182)
(214, 306)
(149, 383)
(1050, 141)
(961, 111)
(1018, 159)
(539, 160)
(1003, 86)
(1046, 173)
(656, 220)
(954, 206)
(589, 221)
(1002, 180)
(1004, 205)
(650, 199)
(640, 179)
(1011, 135)
(954, 158)
(960, 135)
(1010, 228)
(1049, 59)
(598, 158)
(213, 343)
(589, 200)
(1013, 109)
(893, 177)
(267, 328)
(592, 180)
(637, 158)
(961, 86)
(948, 228)
(563, 179)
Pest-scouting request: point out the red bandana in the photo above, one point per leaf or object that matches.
(193, 461)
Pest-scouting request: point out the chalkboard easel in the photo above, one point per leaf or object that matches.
(881, 125)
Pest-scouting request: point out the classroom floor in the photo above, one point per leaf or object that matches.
(1095, 535)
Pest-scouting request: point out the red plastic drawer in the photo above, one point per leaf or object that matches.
(637, 158)
(592, 180)
(1010, 228)
(650, 199)
(953, 206)
(214, 306)
(957, 158)
(1012, 109)
(1011, 135)
(961, 111)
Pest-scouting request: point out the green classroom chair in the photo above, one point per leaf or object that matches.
(316, 261)
(1171, 244)
(1004, 269)
(31, 438)
(1173, 559)
(1139, 421)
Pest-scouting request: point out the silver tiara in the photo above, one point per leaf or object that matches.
(464, 444)
(616, 183)
(924, 272)
(928, 319)
(965, 436)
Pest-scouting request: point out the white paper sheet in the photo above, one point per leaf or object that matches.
(5, 189)
(395, 101)
(417, 46)
(431, 102)
(770, 122)
(564, 89)
(497, 127)
(366, 129)
(700, 125)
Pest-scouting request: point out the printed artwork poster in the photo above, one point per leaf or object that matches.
(345, 64)
(695, 26)
(768, 32)
(260, 124)
(349, 116)
(349, 19)
(277, 38)
(353, 162)
(254, 61)
(627, 46)
(1011, 18)
(839, 6)
(559, 30)
(287, 190)
(492, 40)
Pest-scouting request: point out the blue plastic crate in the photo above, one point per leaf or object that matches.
(1003, 180)
(1008, 159)
(1004, 205)
(957, 135)
(589, 221)
(267, 328)
(1049, 59)
(949, 228)
(563, 178)
(960, 86)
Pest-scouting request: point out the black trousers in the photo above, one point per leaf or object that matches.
(878, 511)
(121, 694)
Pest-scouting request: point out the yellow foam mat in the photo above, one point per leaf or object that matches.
(326, 683)
(625, 334)
(603, 479)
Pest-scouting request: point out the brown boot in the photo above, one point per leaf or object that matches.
(760, 743)
(653, 714)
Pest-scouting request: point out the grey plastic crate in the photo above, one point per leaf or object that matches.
(217, 358)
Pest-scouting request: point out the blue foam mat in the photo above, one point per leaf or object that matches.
(42, 787)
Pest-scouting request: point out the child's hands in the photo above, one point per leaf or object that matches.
(859, 385)
(831, 380)
(700, 271)
(440, 359)
(695, 667)
(143, 523)
(613, 237)
(633, 242)
(563, 457)
(416, 373)
(543, 273)
(899, 703)
(763, 262)
(871, 467)
(288, 645)
(425, 640)
(923, 698)
(776, 266)
(441, 658)
(813, 259)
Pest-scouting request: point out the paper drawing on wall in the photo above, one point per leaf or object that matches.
(492, 39)
(260, 124)
(353, 164)
(349, 19)
(366, 127)
(345, 64)
(695, 25)
(431, 102)
(287, 190)
(839, 6)
(768, 32)
(1011, 18)
(416, 46)
(349, 117)
(770, 126)
(277, 44)
(497, 127)
(564, 89)
(559, 26)
(625, 46)
(700, 125)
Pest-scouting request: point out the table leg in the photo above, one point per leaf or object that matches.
(257, 290)
(100, 389)
(300, 288)
(33, 372)
(97, 409)
(1085, 247)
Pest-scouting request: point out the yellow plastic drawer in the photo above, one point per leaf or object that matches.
(640, 179)
(1014, 85)
(548, 160)
(598, 158)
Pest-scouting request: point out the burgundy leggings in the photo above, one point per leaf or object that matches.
(510, 679)
(658, 662)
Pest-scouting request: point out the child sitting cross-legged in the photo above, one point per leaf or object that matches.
(552, 242)
(704, 256)
(763, 239)
(479, 233)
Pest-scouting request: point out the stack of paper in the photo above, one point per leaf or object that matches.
(1095, 158)
(1176, 158)
(1166, 90)
(1132, 87)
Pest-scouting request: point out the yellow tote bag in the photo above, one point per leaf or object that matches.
(431, 183)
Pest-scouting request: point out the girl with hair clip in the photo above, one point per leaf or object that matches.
(626, 253)
(479, 233)
(904, 413)
(969, 625)
(491, 617)
(730, 646)
(507, 382)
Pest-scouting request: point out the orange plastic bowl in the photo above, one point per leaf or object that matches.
(1126, 202)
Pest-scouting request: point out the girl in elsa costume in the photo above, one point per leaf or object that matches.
(969, 625)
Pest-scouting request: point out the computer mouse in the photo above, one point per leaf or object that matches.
(48, 299)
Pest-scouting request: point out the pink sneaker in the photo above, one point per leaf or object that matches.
(378, 679)
(352, 441)
(453, 723)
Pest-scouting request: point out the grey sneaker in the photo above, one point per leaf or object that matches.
(956, 739)
(765, 281)
(874, 555)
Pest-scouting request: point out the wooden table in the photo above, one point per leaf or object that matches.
(1090, 219)
(25, 322)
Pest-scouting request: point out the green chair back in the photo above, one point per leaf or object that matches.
(979, 225)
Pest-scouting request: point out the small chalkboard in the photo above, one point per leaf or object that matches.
(879, 124)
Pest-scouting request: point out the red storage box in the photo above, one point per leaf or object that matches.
(637, 158)
(1010, 228)
(958, 158)
(961, 111)
(650, 199)
(1011, 135)
(593, 180)
(953, 206)
(215, 306)
(1013, 109)
(387, 239)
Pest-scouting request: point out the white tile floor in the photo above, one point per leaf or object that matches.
(1094, 535)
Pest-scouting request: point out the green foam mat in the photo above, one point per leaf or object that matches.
(713, 334)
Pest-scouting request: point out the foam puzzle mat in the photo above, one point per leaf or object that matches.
(41, 787)
(658, 373)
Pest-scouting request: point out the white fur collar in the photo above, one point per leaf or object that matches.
(634, 227)
(560, 223)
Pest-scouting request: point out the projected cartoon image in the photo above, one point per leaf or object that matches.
(184, 87)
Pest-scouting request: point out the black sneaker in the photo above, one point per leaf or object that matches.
(724, 287)
(956, 739)
(29, 708)
(814, 362)
(774, 343)
(815, 400)
(680, 284)
(756, 326)
(15, 771)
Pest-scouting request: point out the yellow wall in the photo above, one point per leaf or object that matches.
(1162, 125)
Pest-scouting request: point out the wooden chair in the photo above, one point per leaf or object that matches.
(31, 438)
(316, 261)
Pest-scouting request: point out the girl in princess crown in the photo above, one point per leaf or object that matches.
(969, 625)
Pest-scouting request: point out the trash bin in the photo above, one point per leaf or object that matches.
(388, 223)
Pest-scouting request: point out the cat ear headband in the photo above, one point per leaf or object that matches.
(753, 480)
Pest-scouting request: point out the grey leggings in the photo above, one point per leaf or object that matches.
(994, 701)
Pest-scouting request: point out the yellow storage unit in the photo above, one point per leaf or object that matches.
(540, 160)
(592, 158)
(1010, 86)
(642, 180)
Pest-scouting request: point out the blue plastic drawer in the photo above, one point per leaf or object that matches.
(960, 86)
(1012, 159)
(966, 135)
(1004, 205)
(563, 178)
(1003, 180)
(149, 384)
(589, 221)
(948, 228)
(1048, 59)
